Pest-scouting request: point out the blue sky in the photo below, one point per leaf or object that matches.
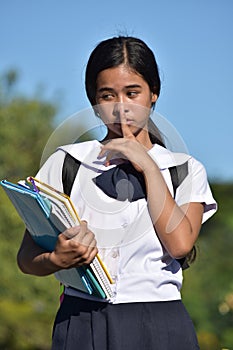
(49, 42)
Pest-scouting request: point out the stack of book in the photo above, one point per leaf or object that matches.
(46, 213)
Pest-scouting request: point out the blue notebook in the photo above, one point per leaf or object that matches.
(36, 214)
(46, 213)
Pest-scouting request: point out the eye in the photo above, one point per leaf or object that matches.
(132, 94)
(106, 96)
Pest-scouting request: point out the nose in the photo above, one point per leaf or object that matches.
(120, 109)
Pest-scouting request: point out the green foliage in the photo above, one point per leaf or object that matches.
(208, 284)
(27, 304)
(25, 126)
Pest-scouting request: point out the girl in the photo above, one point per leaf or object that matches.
(141, 224)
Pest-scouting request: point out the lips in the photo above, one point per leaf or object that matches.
(129, 121)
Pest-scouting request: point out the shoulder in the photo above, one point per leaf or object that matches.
(194, 186)
(166, 158)
(81, 151)
(51, 170)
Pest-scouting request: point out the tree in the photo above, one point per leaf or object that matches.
(208, 284)
(27, 304)
(26, 125)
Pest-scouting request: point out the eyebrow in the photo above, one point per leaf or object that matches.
(106, 88)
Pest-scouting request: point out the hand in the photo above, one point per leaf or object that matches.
(128, 147)
(75, 246)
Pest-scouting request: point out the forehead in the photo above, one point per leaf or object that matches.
(119, 76)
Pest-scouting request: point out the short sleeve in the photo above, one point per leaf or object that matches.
(51, 171)
(195, 188)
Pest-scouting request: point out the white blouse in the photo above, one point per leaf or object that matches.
(140, 266)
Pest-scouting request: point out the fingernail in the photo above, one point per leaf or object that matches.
(99, 156)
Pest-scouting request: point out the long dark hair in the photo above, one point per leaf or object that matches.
(134, 53)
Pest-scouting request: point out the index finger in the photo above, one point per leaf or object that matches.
(126, 132)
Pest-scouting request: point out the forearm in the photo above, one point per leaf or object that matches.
(75, 247)
(171, 223)
(34, 260)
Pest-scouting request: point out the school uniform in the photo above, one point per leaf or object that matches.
(146, 311)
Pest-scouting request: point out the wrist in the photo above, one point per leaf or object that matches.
(50, 262)
(150, 169)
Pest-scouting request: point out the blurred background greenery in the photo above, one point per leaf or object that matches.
(28, 304)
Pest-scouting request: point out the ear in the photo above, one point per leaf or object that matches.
(154, 97)
(96, 110)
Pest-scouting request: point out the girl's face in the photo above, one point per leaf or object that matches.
(123, 96)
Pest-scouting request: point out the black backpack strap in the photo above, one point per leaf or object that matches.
(69, 172)
(178, 174)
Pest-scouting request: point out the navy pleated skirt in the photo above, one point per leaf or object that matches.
(86, 325)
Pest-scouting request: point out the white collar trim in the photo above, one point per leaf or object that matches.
(162, 156)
